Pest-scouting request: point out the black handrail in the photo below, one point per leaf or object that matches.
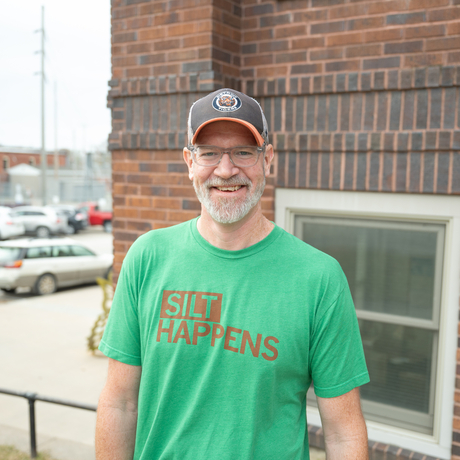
(31, 398)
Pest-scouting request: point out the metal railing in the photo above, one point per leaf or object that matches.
(32, 397)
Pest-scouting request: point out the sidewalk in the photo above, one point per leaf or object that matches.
(43, 350)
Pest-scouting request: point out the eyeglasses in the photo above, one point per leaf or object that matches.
(242, 156)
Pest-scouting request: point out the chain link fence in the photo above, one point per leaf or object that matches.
(67, 188)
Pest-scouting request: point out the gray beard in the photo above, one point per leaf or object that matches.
(227, 210)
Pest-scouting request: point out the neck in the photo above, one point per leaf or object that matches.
(254, 227)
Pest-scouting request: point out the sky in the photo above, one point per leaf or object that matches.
(77, 67)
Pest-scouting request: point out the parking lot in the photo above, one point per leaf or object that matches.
(43, 350)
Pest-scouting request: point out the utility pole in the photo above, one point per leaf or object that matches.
(56, 157)
(43, 152)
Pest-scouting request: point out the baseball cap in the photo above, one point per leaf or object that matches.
(228, 105)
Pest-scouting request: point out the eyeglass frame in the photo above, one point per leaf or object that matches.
(222, 151)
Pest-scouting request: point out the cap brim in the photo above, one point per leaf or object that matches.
(252, 128)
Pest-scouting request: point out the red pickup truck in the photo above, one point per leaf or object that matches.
(96, 216)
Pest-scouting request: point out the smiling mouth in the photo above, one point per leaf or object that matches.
(229, 189)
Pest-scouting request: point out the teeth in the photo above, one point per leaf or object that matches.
(229, 189)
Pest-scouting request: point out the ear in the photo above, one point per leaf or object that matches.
(188, 160)
(268, 158)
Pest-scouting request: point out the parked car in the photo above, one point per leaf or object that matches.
(45, 265)
(9, 225)
(76, 220)
(41, 221)
(97, 216)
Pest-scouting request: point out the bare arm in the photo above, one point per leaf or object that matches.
(345, 432)
(117, 413)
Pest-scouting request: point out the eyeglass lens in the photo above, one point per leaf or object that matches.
(208, 155)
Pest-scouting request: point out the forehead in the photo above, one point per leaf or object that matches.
(225, 132)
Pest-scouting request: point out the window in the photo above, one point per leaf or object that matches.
(61, 251)
(5, 163)
(401, 254)
(34, 213)
(394, 270)
(32, 161)
(38, 253)
(81, 251)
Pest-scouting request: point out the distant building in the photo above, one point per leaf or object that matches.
(76, 178)
(13, 156)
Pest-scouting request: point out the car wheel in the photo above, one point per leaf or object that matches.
(42, 232)
(46, 284)
(107, 226)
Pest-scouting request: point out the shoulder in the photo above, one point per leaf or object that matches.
(160, 240)
(309, 267)
(155, 237)
(303, 253)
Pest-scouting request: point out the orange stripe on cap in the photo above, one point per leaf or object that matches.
(252, 128)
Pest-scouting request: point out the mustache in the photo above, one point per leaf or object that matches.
(219, 182)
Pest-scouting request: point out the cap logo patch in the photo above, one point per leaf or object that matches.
(226, 101)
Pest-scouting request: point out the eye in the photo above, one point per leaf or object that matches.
(206, 153)
(246, 153)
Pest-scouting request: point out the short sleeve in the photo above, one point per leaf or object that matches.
(121, 339)
(337, 357)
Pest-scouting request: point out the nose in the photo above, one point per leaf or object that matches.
(226, 168)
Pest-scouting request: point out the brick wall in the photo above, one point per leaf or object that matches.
(263, 40)
(154, 38)
(359, 95)
(391, 131)
(322, 36)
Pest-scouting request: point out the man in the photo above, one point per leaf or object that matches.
(220, 324)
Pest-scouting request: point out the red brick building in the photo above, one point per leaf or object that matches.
(13, 156)
(362, 102)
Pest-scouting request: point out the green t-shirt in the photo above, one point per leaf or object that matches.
(229, 343)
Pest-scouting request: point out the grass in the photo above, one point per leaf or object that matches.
(11, 453)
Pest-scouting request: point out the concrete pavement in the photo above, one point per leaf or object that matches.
(43, 350)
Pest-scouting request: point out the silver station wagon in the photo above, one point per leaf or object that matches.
(45, 265)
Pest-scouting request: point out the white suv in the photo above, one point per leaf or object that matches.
(45, 265)
(9, 226)
(41, 221)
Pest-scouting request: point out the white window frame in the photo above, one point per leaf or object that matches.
(382, 412)
(437, 209)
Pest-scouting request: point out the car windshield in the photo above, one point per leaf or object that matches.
(8, 254)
